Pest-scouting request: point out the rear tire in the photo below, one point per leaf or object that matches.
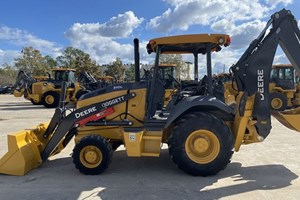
(92, 155)
(278, 101)
(50, 99)
(201, 144)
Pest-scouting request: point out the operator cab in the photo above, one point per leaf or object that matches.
(283, 76)
(64, 74)
(182, 44)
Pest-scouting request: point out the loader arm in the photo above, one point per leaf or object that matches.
(60, 127)
(256, 64)
(27, 149)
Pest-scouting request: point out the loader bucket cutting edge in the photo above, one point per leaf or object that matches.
(24, 151)
(290, 118)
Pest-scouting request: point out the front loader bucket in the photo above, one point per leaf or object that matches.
(24, 151)
(289, 118)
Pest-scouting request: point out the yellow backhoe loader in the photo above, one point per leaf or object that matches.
(200, 130)
(46, 91)
(283, 87)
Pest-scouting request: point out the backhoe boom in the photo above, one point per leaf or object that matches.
(256, 64)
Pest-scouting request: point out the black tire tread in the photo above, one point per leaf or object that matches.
(183, 128)
(99, 142)
(56, 99)
(281, 97)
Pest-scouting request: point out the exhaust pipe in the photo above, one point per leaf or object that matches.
(136, 60)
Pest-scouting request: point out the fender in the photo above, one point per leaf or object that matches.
(201, 103)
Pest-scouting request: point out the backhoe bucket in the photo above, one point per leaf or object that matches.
(24, 151)
(17, 93)
(290, 118)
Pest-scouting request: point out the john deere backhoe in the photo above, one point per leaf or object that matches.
(283, 87)
(47, 91)
(201, 131)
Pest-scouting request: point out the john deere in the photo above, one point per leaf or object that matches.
(200, 130)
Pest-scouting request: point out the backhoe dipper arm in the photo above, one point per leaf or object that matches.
(252, 71)
(22, 81)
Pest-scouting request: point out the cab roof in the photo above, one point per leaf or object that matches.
(282, 66)
(194, 43)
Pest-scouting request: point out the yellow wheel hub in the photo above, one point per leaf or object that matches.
(49, 99)
(90, 156)
(202, 146)
(276, 103)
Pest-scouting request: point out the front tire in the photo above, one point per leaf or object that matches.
(201, 144)
(92, 155)
(278, 101)
(50, 99)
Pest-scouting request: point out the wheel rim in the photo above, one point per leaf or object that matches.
(276, 103)
(202, 146)
(49, 99)
(90, 156)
